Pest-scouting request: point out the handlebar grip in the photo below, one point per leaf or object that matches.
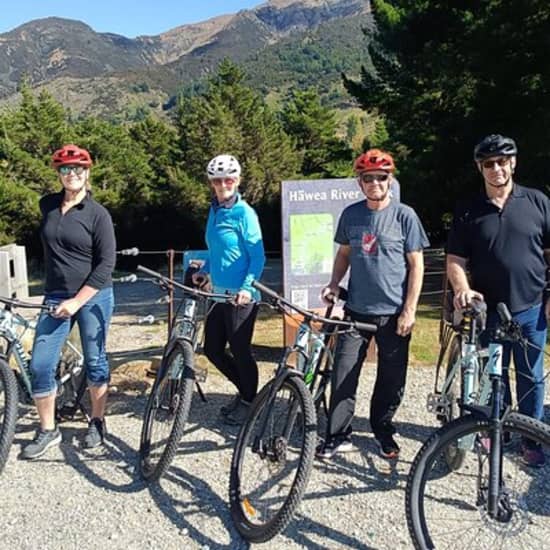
(342, 294)
(504, 312)
(366, 327)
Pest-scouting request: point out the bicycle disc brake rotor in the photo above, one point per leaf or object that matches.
(512, 515)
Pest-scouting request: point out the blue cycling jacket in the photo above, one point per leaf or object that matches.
(235, 247)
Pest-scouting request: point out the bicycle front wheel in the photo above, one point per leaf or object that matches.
(271, 466)
(167, 411)
(8, 410)
(449, 508)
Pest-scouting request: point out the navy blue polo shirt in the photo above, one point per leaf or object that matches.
(79, 246)
(504, 247)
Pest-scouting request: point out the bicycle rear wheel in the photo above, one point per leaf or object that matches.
(8, 410)
(270, 470)
(167, 411)
(453, 455)
(448, 508)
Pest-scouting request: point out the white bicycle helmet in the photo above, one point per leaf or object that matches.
(223, 166)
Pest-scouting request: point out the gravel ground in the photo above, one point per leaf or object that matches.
(74, 498)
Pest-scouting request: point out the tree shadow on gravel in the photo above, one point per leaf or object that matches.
(405, 430)
(203, 500)
(302, 528)
(114, 451)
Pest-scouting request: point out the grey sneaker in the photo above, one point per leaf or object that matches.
(95, 434)
(231, 406)
(43, 440)
(238, 415)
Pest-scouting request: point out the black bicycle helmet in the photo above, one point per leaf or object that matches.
(494, 145)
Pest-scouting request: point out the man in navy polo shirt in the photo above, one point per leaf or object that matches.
(503, 237)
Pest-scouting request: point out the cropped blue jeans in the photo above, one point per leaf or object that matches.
(93, 320)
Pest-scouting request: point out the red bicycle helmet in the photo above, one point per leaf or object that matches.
(71, 154)
(374, 159)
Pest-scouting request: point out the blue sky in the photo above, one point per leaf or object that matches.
(130, 18)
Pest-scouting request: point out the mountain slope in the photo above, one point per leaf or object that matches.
(279, 43)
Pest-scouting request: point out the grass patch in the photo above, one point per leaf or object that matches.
(425, 339)
(268, 333)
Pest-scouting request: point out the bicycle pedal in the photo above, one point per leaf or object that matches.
(437, 403)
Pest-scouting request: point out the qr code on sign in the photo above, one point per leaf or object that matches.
(299, 297)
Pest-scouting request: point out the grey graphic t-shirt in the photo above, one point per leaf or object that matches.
(379, 240)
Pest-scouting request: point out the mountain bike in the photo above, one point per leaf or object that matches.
(169, 402)
(493, 496)
(466, 378)
(274, 452)
(15, 375)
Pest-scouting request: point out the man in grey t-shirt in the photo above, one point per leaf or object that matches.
(381, 242)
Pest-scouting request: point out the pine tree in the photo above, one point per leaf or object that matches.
(228, 117)
(313, 126)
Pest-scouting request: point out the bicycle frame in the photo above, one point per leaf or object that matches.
(187, 329)
(13, 326)
(308, 347)
(495, 414)
(475, 383)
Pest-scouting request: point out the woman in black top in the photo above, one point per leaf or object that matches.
(79, 251)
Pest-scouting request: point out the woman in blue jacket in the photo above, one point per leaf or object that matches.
(236, 257)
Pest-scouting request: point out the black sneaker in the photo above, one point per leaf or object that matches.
(239, 413)
(231, 406)
(334, 445)
(95, 434)
(388, 447)
(43, 440)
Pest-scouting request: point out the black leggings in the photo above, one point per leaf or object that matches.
(231, 324)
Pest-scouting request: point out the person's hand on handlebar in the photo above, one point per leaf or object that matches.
(329, 294)
(463, 298)
(67, 308)
(243, 297)
(202, 281)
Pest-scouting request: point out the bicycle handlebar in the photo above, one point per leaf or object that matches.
(310, 315)
(185, 288)
(14, 302)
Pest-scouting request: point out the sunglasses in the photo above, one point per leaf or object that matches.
(500, 162)
(221, 181)
(78, 170)
(370, 178)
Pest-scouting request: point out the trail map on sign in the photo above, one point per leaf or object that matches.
(311, 243)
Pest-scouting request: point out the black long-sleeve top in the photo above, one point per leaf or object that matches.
(79, 246)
